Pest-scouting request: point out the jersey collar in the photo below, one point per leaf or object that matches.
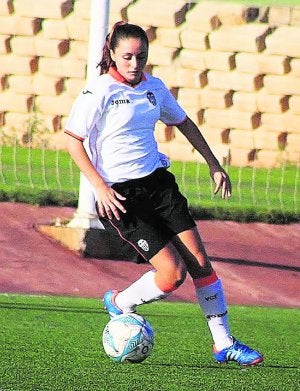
(116, 75)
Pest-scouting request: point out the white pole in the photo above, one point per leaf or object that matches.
(98, 31)
(85, 215)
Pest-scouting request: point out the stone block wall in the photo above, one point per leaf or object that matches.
(235, 69)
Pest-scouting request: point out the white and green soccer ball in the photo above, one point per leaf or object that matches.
(128, 338)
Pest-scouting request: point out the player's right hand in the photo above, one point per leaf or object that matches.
(109, 203)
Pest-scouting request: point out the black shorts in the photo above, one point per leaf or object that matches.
(156, 211)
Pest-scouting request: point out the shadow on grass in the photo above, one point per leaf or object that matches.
(56, 308)
(222, 367)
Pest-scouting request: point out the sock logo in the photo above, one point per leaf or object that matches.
(143, 244)
(212, 297)
(216, 315)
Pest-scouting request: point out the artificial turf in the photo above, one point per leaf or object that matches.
(54, 343)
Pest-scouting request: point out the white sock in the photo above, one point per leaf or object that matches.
(142, 291)
(212, 302)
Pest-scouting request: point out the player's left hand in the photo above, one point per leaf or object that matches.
(223, 183)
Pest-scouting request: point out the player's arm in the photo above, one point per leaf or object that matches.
(108, 199)
(189, 129)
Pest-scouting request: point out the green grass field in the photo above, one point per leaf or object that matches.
(53, 343)
(257, 194)
(47, 177)
(38, 176)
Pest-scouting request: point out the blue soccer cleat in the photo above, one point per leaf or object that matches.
(239, 353)
(110, 305)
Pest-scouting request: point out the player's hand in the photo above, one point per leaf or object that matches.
(109, 203)
(223, 183)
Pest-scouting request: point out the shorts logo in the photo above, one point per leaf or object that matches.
(151, 98)
(142, 243)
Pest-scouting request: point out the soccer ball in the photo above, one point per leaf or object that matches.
(128, 338)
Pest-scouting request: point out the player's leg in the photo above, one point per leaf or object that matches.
(208, 286)
(143, 228)
(168, 274)
(212, 301)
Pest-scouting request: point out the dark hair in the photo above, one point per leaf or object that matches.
(121, 30)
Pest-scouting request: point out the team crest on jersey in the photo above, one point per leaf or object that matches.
(151, 98)
(143, 244)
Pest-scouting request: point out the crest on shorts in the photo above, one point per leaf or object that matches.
(151, 98)
(143, 244)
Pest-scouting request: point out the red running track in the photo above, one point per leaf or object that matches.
(258, 263)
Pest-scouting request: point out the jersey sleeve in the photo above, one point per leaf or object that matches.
(83, 115)
(171, 112)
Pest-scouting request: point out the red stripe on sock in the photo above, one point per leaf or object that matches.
(205, 281)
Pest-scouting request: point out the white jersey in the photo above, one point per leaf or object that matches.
(119, 121)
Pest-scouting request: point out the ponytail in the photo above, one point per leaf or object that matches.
(120, 30)
(106, 60)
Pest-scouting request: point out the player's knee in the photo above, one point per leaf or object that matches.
(171, 281)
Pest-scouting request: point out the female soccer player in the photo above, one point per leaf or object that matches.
(137, 198)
